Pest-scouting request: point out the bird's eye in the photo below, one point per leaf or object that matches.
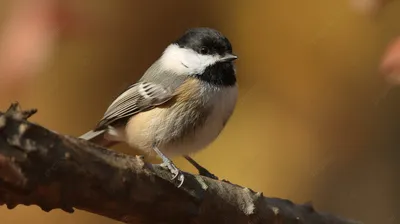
(204, 50)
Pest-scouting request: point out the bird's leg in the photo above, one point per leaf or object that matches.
(202, 171)
(171, 166)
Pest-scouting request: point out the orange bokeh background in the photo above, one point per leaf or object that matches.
(308, 126)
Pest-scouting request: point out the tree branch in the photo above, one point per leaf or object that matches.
(41, 167)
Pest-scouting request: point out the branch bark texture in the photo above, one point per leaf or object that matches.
(54, 171)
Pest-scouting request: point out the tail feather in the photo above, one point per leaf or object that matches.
(98, 138)
(92, 134)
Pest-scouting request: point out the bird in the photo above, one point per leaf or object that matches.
(181, 103)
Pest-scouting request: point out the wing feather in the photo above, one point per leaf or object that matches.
(136, 98)
(156, 87)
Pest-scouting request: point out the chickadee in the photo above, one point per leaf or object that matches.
(181, 103)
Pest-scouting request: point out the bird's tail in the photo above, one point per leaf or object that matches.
(98, 137)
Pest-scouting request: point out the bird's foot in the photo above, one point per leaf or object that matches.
(202, 171)
(177, 173)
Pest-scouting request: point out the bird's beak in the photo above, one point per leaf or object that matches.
(228, 58)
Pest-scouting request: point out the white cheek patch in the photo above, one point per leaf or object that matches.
(186, 61)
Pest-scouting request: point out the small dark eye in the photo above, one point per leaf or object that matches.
(204, 50)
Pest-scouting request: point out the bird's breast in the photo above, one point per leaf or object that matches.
(188, 123)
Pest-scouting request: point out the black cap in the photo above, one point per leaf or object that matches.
(205, 41)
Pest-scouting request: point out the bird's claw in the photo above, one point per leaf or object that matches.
(181, 178)
(175, 172)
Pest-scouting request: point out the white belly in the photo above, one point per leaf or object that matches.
(164, 127)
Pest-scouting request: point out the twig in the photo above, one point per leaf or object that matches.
(41, 167)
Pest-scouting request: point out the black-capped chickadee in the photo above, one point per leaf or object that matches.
(181, 103)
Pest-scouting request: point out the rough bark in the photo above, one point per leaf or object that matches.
(53, 171)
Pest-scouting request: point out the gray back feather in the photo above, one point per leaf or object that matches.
(157, 75)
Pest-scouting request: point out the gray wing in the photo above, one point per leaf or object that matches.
(156, 87)
(138, 97)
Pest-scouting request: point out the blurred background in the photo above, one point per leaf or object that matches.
(312, 122)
